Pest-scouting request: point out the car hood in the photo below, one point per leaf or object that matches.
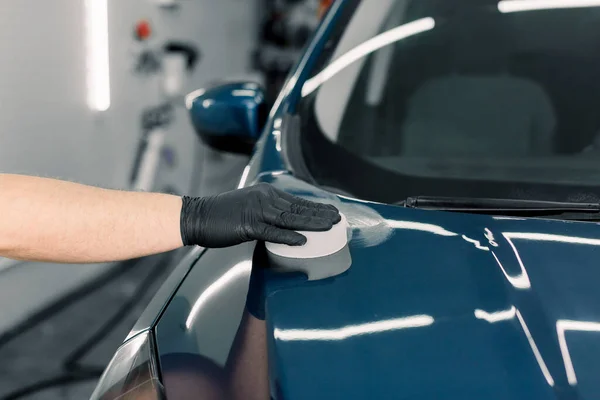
(442, 305)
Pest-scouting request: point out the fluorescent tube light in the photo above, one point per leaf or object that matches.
(97, 57)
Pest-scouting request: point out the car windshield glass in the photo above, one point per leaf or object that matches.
(472, 98)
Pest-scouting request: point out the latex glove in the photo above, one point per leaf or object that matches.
(258, 212)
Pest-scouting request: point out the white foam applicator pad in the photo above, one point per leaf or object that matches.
(318, 244)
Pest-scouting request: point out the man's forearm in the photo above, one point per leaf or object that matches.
(51, 220)
(56, 221)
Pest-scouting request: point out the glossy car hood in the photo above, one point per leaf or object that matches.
(443, 305)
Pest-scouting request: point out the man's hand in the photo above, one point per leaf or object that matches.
(57, 221)
(258, 212)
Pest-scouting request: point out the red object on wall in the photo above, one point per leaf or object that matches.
(143, 30)
(324, 6)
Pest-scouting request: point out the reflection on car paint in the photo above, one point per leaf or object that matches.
(419, 226)
(562, 326)
(545, 237)
(520, 281)
(476, 243)
(349, 331)
(496, 316)
(238, 271)
(535, 350)
(507, 315)
(490, 237)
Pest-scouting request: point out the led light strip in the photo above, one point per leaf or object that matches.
(97, 54)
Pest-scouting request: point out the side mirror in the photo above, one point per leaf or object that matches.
(230, 116)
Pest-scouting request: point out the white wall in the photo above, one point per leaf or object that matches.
(46, 127)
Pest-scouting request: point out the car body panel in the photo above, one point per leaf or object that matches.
(161, 299)
(204, 315)
(443, 304)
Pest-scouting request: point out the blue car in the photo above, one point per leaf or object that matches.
(460, 139)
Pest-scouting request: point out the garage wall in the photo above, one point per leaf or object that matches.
(46, 127)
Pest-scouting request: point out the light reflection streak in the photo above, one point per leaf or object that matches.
(509, 6)
(522, 280)
(133, 346)
(360, 51)
(476, 243)
(419, 226)
(490, 237)
(509, 314)
(519, 282)
(536, 352)
(190, 97)
(564, 325)
(496, 316)
(546, 237)
(234, 273)
(243, 93)
(353, 330)
(244, 177)
(277, 134)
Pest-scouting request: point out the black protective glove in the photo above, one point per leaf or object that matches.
(258, 212)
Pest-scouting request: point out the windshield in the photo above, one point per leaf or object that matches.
(472, 98)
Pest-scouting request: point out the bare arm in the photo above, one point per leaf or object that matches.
(51, 220)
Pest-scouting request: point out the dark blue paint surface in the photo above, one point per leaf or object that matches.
(476, 328)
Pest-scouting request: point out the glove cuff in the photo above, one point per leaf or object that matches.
(190, 220)
(182, 220)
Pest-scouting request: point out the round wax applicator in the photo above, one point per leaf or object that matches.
(318, 244)
(325, 254)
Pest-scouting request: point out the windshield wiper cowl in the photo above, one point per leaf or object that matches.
(498, 206)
